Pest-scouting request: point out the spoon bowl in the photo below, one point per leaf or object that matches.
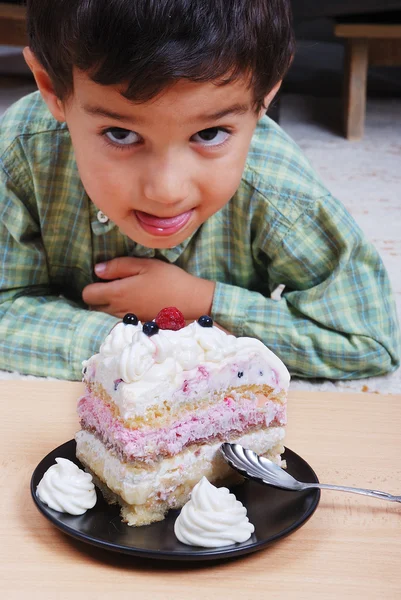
(263, 470)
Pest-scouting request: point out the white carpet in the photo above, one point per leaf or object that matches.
(364, 175)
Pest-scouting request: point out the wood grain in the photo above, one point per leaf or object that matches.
(366, 44)
(355, 80)
(367, 30)
(350, 548)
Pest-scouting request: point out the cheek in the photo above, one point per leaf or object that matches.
(96, 176)
(107, 191)
(221, 187)
(226, 176)
(94, 165)
(101, 177)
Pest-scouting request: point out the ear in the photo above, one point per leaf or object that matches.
(45, 85)
(268, 99)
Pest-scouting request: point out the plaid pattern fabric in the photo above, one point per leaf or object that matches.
(335, 319)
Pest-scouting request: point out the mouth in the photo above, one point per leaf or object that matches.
(162, 226)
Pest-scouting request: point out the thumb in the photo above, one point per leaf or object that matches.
(121, 267)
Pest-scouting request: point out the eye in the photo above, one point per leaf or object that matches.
(121, 137)
(213, 136)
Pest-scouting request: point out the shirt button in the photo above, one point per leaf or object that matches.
(101, 217)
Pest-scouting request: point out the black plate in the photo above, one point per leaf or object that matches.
(275, 513)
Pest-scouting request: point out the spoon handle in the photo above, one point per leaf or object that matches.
(354, 490)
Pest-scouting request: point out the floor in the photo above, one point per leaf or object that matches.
(365, 176)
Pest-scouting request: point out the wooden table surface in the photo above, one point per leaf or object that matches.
(350, 548)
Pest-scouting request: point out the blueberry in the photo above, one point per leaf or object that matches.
(150, 328)
(205, 321)
(116, 383)
(130, 319)
(240, 374)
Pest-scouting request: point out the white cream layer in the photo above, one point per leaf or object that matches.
(135, 485)
(138, 371)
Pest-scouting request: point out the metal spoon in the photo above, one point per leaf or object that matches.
(263, 470)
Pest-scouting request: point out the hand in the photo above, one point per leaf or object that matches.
(146, 285)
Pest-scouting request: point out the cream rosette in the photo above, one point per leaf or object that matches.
(118, 338)
(66, 488)
(213, 517)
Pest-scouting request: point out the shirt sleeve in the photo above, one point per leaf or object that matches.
(336, 317)
(41, 333)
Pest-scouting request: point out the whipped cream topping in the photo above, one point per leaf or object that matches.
(213, 517)
(183, 350)
(118, 338)
(66, 488)
(138, 371)
(178, 350)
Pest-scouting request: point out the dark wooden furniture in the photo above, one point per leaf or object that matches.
(310, 9)
(367, 44)
(12, 25)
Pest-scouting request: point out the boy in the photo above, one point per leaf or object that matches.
(145, 175)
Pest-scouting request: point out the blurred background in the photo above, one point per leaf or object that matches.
(317, 70)
(341, 102)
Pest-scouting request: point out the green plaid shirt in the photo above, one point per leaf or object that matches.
(335, 319)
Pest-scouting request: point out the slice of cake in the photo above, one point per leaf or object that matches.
(159, 403)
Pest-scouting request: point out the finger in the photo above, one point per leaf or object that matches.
(96, 294)
(123, 266)
(110, 294)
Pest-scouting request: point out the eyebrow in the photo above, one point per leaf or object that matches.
(235, 109)
(100, 111)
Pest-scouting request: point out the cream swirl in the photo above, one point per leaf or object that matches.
(213, 517)
(215, 343)
(118, 338)
(66, 488)
(163, 346)
(188, 354)
(137, 358)
(147, 358)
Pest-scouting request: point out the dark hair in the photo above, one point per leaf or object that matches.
(148, 45)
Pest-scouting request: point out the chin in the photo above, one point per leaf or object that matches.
(157, 242)
(166, 242)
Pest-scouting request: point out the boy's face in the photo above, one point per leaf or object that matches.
(159, 169)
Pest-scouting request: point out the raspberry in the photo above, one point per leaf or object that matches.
(170, 318)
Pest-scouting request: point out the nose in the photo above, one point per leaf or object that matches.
(166, 180)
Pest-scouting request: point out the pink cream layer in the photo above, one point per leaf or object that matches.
(219, 421)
